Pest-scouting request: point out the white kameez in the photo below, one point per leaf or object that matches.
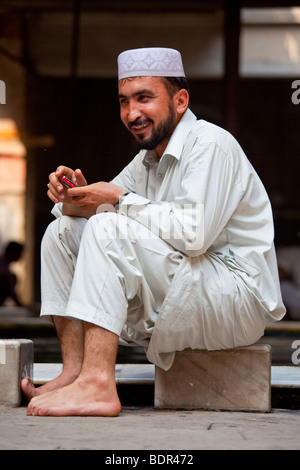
(203, 207)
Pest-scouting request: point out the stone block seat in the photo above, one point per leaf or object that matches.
(234, 379)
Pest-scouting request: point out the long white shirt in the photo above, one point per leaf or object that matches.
(206, 201)
(205, 176)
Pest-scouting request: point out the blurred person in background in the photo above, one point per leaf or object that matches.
(8, 280)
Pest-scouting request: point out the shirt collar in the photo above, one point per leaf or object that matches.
(177, 140)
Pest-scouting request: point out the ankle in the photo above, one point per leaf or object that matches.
(70, 373)
(96, 379)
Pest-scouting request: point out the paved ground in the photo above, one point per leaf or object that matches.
(147, 429)
(141, 428)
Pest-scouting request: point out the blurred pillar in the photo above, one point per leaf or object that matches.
(231, 91)
(12, 193)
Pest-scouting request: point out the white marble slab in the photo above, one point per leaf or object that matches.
(44, 372)
(135, 373)
(125, 373)
(285, 376)
(281, 376)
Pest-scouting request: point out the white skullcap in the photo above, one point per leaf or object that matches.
(150, 61)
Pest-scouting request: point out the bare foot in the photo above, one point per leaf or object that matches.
(28, 388)
(87, 396)
(30, 391)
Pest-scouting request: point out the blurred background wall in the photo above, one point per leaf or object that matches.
(58, 65)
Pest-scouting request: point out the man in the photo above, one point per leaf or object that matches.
(187, 260)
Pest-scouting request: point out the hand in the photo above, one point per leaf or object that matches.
(90, 197)
(57, 191)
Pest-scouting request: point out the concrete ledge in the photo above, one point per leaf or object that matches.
(233, 380)
(16, 362)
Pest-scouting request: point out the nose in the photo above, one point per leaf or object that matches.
(133, 112)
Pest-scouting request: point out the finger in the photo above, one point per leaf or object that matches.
(80, 191)
(81, 181)
(53, 198)
(54, 186)
(54, 182)
(79, 201)
(64, 170)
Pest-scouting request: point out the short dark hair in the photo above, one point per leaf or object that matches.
(175, 84)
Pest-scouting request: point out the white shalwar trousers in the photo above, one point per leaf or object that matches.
(108, 270)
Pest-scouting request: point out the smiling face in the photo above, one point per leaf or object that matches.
(149, 112)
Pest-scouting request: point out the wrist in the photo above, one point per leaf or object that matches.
(120, 200)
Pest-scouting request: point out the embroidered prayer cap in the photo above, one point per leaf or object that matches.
(150, 61)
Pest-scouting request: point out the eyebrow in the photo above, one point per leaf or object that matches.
(144, 91)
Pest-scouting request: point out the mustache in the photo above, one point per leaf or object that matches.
(139, 122)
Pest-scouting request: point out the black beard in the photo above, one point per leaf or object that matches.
(163, 131)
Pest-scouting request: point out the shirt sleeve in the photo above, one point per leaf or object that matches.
(57, 210)
(126, 179)
(209, 194)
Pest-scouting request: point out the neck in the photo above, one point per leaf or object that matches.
(163, 145)
(161, 148)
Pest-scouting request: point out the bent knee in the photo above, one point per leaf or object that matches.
(63, 228)
(107, 225)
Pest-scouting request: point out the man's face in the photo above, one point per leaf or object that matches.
(148, 111)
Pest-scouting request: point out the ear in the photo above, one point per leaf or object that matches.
(181, 101)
